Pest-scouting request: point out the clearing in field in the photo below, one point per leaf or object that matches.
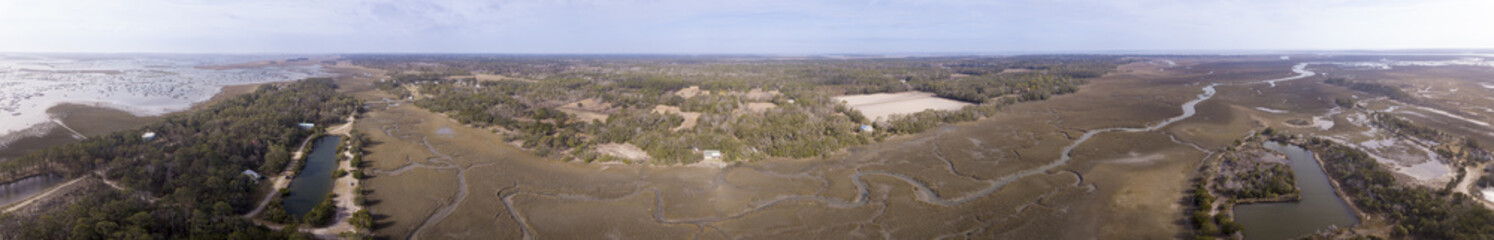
(882, 106)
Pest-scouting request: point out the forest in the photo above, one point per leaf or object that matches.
(1260, 180)
(673, 106)
(1388, 91)
(1417, 212)
(188, 181)
(1401, 126)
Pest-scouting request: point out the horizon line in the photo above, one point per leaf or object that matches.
(788, 54)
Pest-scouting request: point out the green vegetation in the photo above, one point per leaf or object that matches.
(193, 168)
(1344, 102)
(1260, 179)
(1417, 211)
(322, 214)
(275, 160)
(1373, 88)
(117, 215)
(537, 104)
(361, 219)
(275, 212)
(1204, 224)
(1401, 126)
(1041, 77)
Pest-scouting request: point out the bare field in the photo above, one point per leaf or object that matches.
(881, 106)
(623, 150)
(690, 117)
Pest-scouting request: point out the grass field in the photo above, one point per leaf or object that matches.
(469, 184)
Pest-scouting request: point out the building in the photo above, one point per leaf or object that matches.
(867, 128)
(711, 154)
(148, 136)
(252, 174)
(306, 126)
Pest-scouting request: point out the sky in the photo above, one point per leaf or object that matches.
(738, 26)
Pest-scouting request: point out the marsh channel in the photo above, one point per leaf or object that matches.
(1318, 209)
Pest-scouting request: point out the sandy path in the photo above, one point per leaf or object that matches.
(49, 192)
(282, 181)
(76, 134)
(111, 183)
(1474, 173)
(343, 188)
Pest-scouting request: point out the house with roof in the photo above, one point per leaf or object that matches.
(252, 175)
(711, 154)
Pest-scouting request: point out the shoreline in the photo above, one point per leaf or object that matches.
(94, 119)
(1337, 189)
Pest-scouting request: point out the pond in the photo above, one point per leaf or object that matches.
(311, 186)
(1320, 206)
(20, 190)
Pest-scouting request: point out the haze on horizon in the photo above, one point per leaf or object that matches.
(737, 26)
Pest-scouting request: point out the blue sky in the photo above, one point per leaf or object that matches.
(738, 26)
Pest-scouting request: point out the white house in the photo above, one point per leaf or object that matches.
(711, 154)
(252, 174)
(307, 126)
(867, 128)
(148, 136)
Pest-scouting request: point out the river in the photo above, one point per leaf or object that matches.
(1319, 208)
(315, 181)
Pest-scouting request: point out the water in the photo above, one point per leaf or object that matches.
(315, 181)
(139, 84)
(1319, 208)
(20, 190)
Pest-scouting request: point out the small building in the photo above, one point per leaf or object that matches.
(148, 136)
(711, 154)
(867, 128)
(306, 126)
(252, 174)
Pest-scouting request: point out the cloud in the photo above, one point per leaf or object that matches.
(735, 26)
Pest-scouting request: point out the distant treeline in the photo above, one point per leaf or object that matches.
(192, 169)
(1388, 91)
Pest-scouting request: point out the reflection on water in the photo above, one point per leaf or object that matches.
(1319, 208)
(315, 181)
(20, 190)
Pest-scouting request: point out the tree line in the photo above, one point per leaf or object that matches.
(1417, 212)
(193, 168)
